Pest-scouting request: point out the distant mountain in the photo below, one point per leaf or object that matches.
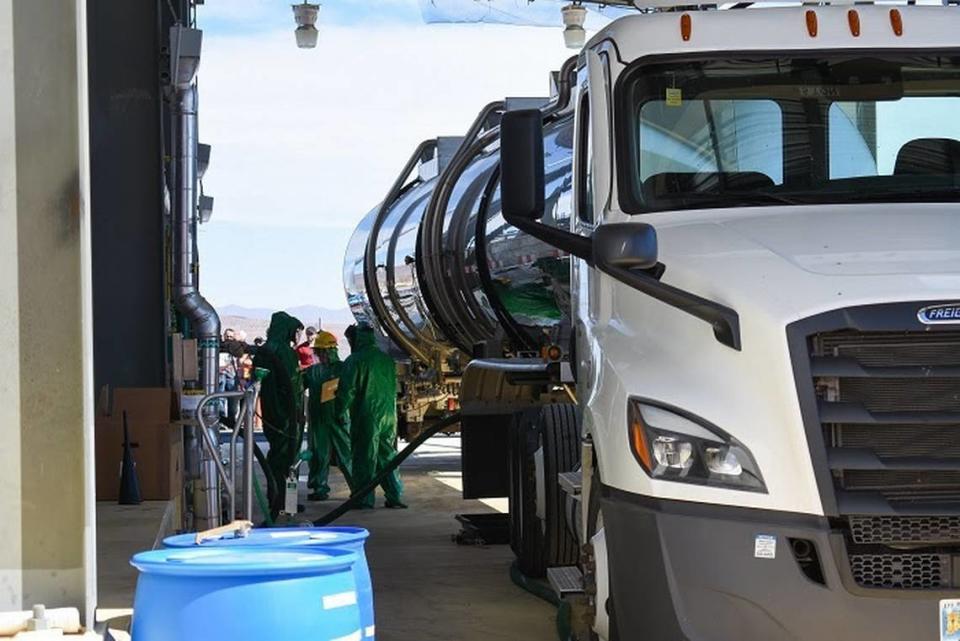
(308, 314)
(244, 312)
(250, 328)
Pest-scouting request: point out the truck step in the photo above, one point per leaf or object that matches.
(571, 482)
(566, 580)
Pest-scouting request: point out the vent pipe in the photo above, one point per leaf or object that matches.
(203, 319)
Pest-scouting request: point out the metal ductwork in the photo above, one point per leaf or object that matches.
(204, 323)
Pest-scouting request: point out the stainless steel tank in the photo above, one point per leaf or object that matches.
(435, 265)
(437, 270)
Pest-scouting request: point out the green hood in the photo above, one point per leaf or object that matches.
(365, 337)
(283, 328)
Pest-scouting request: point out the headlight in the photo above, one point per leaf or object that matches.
(675, 446)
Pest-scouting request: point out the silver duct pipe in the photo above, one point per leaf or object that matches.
(204, 321)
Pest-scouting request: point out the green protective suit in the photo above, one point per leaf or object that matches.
(326, 429)
(281, 402)
(368, 394)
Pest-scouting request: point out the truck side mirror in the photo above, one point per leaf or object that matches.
(521, 164)
(625, 245)
(522, 182)
(628, 252)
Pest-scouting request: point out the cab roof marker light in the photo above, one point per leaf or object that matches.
(686, 27)
(853, 17)
(896, 22)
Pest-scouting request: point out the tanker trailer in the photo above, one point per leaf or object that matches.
(436, 270)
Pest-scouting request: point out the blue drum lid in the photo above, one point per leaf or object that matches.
(276, 537)
(244, 561)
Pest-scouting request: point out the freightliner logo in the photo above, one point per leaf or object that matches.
(937, 314)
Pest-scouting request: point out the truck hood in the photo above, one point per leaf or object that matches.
(796, 260)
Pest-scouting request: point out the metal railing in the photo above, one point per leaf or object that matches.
(211, 441)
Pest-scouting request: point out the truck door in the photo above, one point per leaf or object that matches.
(592, 173)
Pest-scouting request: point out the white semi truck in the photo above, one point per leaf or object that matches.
(701, 314)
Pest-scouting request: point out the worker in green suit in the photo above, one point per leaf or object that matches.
(326, 429)
(368, 394)
(281, 402)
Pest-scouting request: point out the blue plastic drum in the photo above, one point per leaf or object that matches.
(347, 538)
(246, 594)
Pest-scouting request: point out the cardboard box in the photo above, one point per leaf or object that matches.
(157, 441)
(145, 404)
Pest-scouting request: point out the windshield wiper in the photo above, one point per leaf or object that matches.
(927, 194)
(760, 197)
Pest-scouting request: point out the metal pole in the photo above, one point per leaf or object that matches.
(213, 467)
(219, 470)
(233, 460)
(253, 393)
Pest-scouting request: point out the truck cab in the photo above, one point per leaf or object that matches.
(765, 301)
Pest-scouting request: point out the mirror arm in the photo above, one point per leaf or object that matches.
(579, 246)
(725, 321)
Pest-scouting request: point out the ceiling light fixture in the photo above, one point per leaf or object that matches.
(574, 35)
(306, 16)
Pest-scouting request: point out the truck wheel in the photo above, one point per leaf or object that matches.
(545, 444)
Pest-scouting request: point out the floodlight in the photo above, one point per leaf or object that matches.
(205, 208)
(203, 159)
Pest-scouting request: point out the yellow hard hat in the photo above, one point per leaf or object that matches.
(324, 340)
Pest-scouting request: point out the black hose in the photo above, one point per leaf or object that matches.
(262, 460)
(360, 494)
(538, 589)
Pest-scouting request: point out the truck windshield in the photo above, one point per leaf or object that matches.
(756, 131)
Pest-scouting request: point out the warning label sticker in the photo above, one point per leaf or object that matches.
(674, 97)
(765, 546)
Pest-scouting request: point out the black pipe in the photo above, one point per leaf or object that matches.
(374, 295)
(359, 495)
(520, 338)
(538, 589)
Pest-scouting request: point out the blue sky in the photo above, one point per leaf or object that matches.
(305, 142)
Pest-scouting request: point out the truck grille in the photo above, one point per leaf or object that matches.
(901, 571)
(904, 530)
(888, 403)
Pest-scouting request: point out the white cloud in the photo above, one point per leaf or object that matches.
(316, 137)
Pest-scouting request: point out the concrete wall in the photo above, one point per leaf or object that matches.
(46, 390)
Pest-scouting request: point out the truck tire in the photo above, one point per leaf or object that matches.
(542, 541)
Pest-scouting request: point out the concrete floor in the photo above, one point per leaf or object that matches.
(426, 587)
